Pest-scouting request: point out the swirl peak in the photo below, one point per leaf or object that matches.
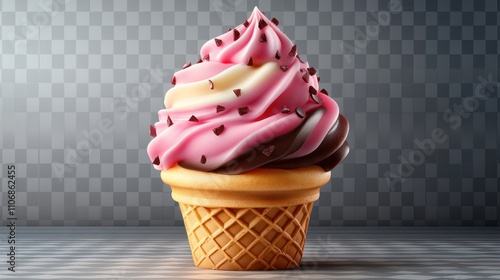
(258, 38)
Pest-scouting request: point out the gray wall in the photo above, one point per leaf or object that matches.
(73, 69)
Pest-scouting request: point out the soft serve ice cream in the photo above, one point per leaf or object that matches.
(245, 142)
(249, 102)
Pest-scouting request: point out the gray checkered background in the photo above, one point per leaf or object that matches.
(71, 70)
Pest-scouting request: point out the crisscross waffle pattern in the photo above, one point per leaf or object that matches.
(247, 238)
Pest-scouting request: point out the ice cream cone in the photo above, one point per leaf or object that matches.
(243, 122)
(257, 220)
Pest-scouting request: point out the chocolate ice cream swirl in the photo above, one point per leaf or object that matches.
(332, 150)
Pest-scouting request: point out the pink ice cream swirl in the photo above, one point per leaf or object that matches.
(249, 102)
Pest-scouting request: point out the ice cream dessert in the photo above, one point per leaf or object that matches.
(245, 141)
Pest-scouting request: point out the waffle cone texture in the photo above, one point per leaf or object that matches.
(257, 220)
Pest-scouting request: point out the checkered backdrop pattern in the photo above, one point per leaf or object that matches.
(81, 81)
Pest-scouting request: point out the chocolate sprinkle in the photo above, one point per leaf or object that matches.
(243, 110)
(324, 91)
(263, 38)
(250, 61)
(246, 23)
(293, 51)
(156, 161)
(152, 131)
(305, 77)
(312, 90)
(275, 21)
(262, 23)
(172, 81)
(169, 121)
(203, 159)
(319, 79)
(283, 68)
(218, 42)
(229, 29)
(285, 109)
(269, 150)
(278, 55)
(316, 99)
(193, 119)
(220, 108)
(211, 84)
(237, 92)
(311, 71)
(300, 112)
(236, 34)
(206, 57)
(186, 65)
(298, 56)
(200, 60)
(218, 130)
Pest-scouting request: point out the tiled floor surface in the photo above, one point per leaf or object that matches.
(331, 253)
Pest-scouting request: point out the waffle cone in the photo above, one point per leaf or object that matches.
(252, 221)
